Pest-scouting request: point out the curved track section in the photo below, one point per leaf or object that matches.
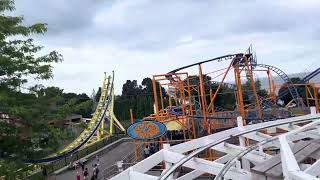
(219, 59)
(87, 134)
(235, 132)
(186, 154)
(311, 75)
(265, 103)
(291, 88)
(303, 81)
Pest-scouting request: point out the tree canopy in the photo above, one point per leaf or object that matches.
(286, 95)
(19, 55)
(25, 111)
(139, 98)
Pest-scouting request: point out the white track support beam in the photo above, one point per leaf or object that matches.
(312, 134)
(314, 169)
(313, 110)
(196, 173)
(254, 156)
(224, 159)
(302, 176)
(150, 162)
(289, 162)
(242, 142)
(138, 175)
(258, 136)
(168, 165)
(191, 175)
(141, 167)
(203, 141)
(315, 155)
(210, 167)
(290, 167)
(240, 126)
(176, 154)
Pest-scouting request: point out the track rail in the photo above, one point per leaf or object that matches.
(100, 115)
(219, 59)
(236, 58)
(311, 75)
(291, 88)
(226, 135)
(303, 81)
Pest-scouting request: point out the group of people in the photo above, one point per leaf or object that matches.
(85, 172)
(175, 134)
(149, 150)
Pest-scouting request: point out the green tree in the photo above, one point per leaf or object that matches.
(287, 97)
(137, 97)
(18, 53)
(248, 96)
(97, 95)
(19, 61)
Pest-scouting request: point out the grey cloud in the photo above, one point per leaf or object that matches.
(173, 33)
(62, 16)
(159, 25)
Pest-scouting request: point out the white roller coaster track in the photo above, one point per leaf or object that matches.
(239, 161)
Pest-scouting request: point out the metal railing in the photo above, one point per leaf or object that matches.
(123, 164)
(56, 165)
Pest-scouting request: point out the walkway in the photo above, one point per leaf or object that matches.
(105, 160)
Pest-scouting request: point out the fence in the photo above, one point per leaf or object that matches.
(54, 166)
(125, 163)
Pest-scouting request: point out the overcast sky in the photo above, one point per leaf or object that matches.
(140, 38)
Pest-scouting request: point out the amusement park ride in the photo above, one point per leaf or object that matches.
(101, 125)
(240, 143)
(195, 111)
(258, 137)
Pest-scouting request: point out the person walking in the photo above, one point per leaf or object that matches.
(92, 177)
(82, 165)
(146, 151)
(85, 174)
(97, 159)
(93, 171)
(152, 149)
(96, 171)
(78, 176)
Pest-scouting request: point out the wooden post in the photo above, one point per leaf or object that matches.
(191, 110)
(316, 103)
(134, 141)
(251, 80)
(155, 96)
(239, 94)
(161, 96)
(203, 99)
(307, 94)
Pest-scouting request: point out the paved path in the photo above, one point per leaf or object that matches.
(105, 160)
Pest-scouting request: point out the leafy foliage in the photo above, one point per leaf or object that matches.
(24, 116)
(18, 52)
(288, 97)
(137, 97)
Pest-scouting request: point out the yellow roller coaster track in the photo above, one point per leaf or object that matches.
(106, 102)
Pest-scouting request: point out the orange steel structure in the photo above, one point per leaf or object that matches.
(311, 95)
(189, 107)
